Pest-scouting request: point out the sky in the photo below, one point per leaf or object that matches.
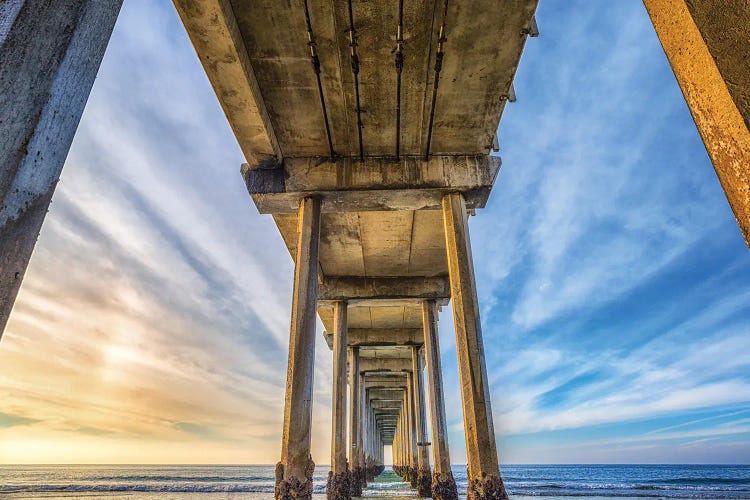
(152, 325)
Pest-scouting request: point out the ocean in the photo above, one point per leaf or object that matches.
(238, 482)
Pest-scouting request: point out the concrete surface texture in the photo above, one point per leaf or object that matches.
(708, 47)
(50, 53)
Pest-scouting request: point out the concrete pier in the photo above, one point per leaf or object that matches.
(338, 486)
(50, 53)
(706, 44)
(443, 484)
(481, 452)
(294, 471)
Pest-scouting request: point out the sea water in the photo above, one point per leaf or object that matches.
(237, 482)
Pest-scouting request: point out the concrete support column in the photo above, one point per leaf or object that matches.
(372, 447)
(294, 471)
(406, 446)
(366, 436)
(413, 453)
(402, 439)
(481, 451)
(394, 450)
(706, 44)
(401, 442)
(443, 483)
(50, 53)
(338, 486)
(362, 437)
(424, 479)
(355, 423)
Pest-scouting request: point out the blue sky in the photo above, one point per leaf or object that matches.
(615, 285)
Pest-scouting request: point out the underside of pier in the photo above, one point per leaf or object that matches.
(368, 129)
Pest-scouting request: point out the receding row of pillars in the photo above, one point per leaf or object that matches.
(41, 114)
(366, 438)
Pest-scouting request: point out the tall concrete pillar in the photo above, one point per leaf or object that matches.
(294, 471)
(481, 451)
(50, 53)
(366, 438)
(424, 479)
(395, 456)
(407, 439)
(402, 440)
(355, 423)
(707, 46)
(413, 453)
(361, 438)
(338, 486)
(443, 483)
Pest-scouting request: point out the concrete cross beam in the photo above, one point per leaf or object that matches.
(385, 405)
(386, 413)
(384, 365)
(391, 395)
(389, 422)
(354, 289)
(369, 337)
(378, 184)
(383, 384)
(386, 377)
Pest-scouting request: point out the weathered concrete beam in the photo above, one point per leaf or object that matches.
(385, 377)
(396, 302)
(212, 28)
(706, 44)
(50, 53)
(380, 337)
(386, 395)
(384, 365)
(386, 412)
(354, 288)
(388, 421)
(379, 184)
(383, 384)
(385, 405)
(386, 417)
